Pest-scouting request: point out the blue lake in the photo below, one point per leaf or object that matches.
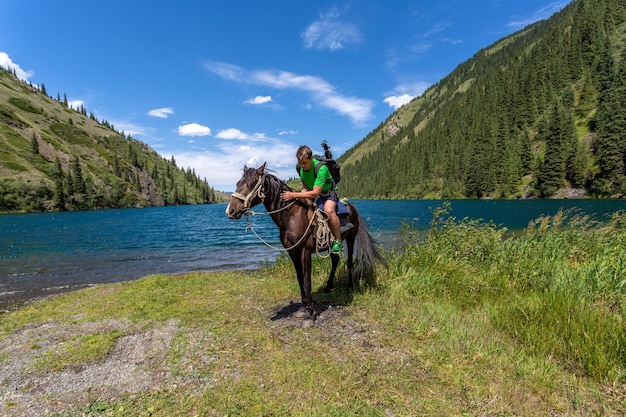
(45, 253)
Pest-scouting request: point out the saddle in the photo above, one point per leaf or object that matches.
(320, 220)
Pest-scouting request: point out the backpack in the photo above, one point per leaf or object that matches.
(333, 167)
(329, 161)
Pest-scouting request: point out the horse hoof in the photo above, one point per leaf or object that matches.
(308, 323)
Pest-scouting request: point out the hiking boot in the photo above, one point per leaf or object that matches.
(337, 247)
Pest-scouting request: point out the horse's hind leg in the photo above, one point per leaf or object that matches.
(330, 284)
(350, 244)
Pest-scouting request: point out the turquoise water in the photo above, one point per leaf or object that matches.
(45, 253)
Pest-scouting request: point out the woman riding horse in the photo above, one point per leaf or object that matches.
(295, 223)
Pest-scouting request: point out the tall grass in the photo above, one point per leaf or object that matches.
(558, 289)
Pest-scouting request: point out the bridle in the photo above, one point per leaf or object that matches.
(256, 192)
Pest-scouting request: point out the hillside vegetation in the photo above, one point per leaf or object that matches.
(540, 113)
(53, 157)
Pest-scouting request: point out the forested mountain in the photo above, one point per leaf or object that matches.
(53, 157)
(541, 113)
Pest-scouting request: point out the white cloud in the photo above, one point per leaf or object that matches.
(130, 128)
(321, 92)
(226, 70)
(329, 33)
(254, 161)
(6, 62)
(193, 129)
(75, 104)
(398, 101)
(223, 166)
(404, 93)
(221, 171)
(233, 133)
(540, 14)
(359, 110)
(421, 47)
(287, 132)
(259, 100)
(438, 27)
(163, 112)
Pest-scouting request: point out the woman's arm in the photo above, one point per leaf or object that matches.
(312, 194)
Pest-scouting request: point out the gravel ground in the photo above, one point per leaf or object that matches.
(138, 362)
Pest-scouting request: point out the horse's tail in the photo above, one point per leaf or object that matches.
(367, 252)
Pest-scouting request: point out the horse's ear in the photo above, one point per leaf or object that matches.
(245, 168)
(261, 168)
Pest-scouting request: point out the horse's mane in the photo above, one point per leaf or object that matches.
(275, 186)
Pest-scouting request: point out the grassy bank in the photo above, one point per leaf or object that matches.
(466, 323)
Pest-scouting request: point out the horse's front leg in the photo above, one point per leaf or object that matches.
(307, 299)
(297, 265)
(330, 284)
(302, 263)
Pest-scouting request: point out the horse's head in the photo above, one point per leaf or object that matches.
(249, 192)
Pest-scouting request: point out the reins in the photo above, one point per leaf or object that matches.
(251, 227)
(322, 233)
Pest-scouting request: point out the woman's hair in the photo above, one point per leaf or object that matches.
(304, 151)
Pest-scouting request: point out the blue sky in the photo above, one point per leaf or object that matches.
(221, 84)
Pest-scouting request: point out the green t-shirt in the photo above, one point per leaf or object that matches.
(323, 179)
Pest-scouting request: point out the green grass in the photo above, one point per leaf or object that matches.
(77, 351)
(25, 105)
(468, 321)
(72, 134)
(558, 290)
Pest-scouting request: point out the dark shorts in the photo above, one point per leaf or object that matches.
(334, 196)
(331, 195)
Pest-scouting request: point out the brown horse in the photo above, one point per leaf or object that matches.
(294, 220)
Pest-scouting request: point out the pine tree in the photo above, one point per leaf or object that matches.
(59, 195)
(57, 170)
(77, 177)
(611, 122)
(116, 165)
(551, 176)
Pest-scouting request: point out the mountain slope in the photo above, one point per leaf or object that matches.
(55, 158)
(536, 114)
